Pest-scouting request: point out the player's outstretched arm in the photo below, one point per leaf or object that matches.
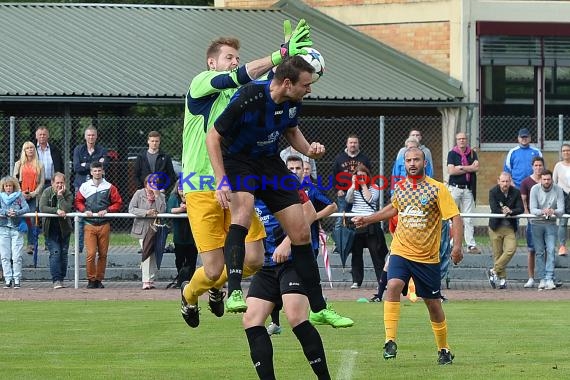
(386, 213)
(295, 42)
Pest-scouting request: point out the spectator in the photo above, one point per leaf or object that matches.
(547, 204)
(415, 133)
(561, 177)
(185, 249)
(49, 155)
(12, 228)
(153, 160)
(526, 185)
(345, 164)
(518, 162)
(57, 199)
(290, 151)
(364, 197)
(95, 198)
(399, 168)
(30, 172)
(462, 166)
(146, 204)
(503, 199)
(83, 156)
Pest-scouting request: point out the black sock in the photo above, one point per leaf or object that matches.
(275, 314)
(313, 348)
(261, 351)
(306, 267)
(382, 284)
(234, 253)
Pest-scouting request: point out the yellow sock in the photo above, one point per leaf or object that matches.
(199, 285)
(391, 317)
(222, 280)
(440, 334)
(248, 271)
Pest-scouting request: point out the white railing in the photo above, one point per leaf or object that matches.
(77, 215)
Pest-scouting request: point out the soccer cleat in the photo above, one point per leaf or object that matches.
(330, 317)
(541, 284)
(390, 350)
(273, 329)
(216, 301)
(492, 278)
(529, 283)
(190, 313)
(235, 302)
(445, 357)
(562, 251)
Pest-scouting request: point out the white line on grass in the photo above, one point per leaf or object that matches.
(346, 364)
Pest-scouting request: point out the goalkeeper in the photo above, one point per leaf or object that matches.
(208, 95)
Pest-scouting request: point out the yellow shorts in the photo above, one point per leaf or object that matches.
(210, 222)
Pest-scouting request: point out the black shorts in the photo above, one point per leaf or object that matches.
(270, 283)
(266, 178)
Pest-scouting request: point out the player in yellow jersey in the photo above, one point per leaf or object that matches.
(420, 203)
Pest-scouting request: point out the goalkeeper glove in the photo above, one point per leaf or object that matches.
(299, 39)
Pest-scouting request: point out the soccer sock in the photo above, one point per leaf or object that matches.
(222, 280)
(261, 351)
(306, 267)
(382, 283)
(199, 284)
(234, 252)
(440, 334)
(391, 317)
(313, 348)
(275, 314)
(248, 271)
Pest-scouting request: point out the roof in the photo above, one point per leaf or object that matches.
(99, 52)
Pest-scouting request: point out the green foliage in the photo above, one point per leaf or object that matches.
(126, 339)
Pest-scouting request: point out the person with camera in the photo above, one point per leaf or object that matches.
(364, 197)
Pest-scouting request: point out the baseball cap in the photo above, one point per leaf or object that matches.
(524, 132)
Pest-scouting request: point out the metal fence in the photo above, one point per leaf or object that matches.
(380, 138)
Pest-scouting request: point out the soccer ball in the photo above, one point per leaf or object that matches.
(317, 61)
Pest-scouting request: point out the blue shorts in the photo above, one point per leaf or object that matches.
(426, 276)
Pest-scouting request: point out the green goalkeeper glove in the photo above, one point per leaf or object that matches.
(295, 41)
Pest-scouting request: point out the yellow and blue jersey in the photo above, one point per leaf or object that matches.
(421, 207)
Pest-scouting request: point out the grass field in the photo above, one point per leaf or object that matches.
(149, 340)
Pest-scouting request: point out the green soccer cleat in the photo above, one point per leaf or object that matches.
(235, 302)
(330, 317)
